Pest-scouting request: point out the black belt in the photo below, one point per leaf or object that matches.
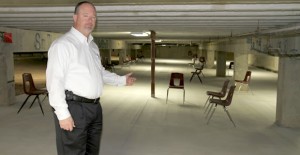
(73, 97)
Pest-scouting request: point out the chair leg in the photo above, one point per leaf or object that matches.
(211, 105)
(167, 96)
(33, 101)
(183, 96)
(241, 84)
(23, 103)
(46, 95)
(202, 74)
(211, 114)
(39, 101)
(207, 101)
(40, 105)
(192, 77)
(225, 109)
(207, 107)
(199, 77)
(249, 89)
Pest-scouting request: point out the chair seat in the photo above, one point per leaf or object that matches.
(176, 87)
(240, 81)
(191, 64)
(219, 102)
(197, 71)
(38, 92)
(216, 94)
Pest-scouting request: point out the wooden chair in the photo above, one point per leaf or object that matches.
(180, 77)
(225, 103)
(30, 89)
(244, 82)
(220, 94)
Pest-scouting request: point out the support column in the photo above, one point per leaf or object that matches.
(153, 52)
(240, 65)
(7, 83)
(210, 60)
(288, 101)
(3, 81)
(241, 48)
(221, 64)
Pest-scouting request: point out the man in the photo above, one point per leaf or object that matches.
(75, 78)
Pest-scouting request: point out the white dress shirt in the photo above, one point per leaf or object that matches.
(74, 64)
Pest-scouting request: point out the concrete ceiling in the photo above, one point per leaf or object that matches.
(172, 20)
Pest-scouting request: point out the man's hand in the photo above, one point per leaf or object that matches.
(67, 124)
(129, 80)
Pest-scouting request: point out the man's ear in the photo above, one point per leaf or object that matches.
(74, 18)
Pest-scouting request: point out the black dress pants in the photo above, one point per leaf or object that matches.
(85, 137)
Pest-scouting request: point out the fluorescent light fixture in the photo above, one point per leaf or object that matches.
(158, 41)
(140, 34)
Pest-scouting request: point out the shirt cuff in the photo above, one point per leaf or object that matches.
(122, 81)
(62, 113)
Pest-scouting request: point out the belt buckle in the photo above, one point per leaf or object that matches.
(95, 100)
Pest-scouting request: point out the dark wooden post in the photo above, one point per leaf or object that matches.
(153, 52)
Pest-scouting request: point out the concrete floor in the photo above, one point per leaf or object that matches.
(136, 124)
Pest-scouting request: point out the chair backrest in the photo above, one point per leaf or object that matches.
(28, 84)
(224, 88)
(231, 65)
(202, 59)
(229, 95)
(177, 76)
(193, 60)
(201, 67)
(247, 76)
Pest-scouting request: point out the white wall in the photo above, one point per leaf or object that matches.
(263, 61)
(29, 41)
(171, 52)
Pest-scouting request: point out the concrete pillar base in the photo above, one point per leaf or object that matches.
(288, 107)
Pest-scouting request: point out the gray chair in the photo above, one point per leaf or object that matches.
(225, 103)
(213, 94)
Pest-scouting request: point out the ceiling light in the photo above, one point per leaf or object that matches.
(140, 34)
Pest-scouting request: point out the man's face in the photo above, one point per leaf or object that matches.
(85, 19)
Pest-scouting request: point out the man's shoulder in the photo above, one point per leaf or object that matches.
(65, 42)
(66, 38)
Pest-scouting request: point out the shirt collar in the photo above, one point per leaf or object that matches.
(80, 36)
